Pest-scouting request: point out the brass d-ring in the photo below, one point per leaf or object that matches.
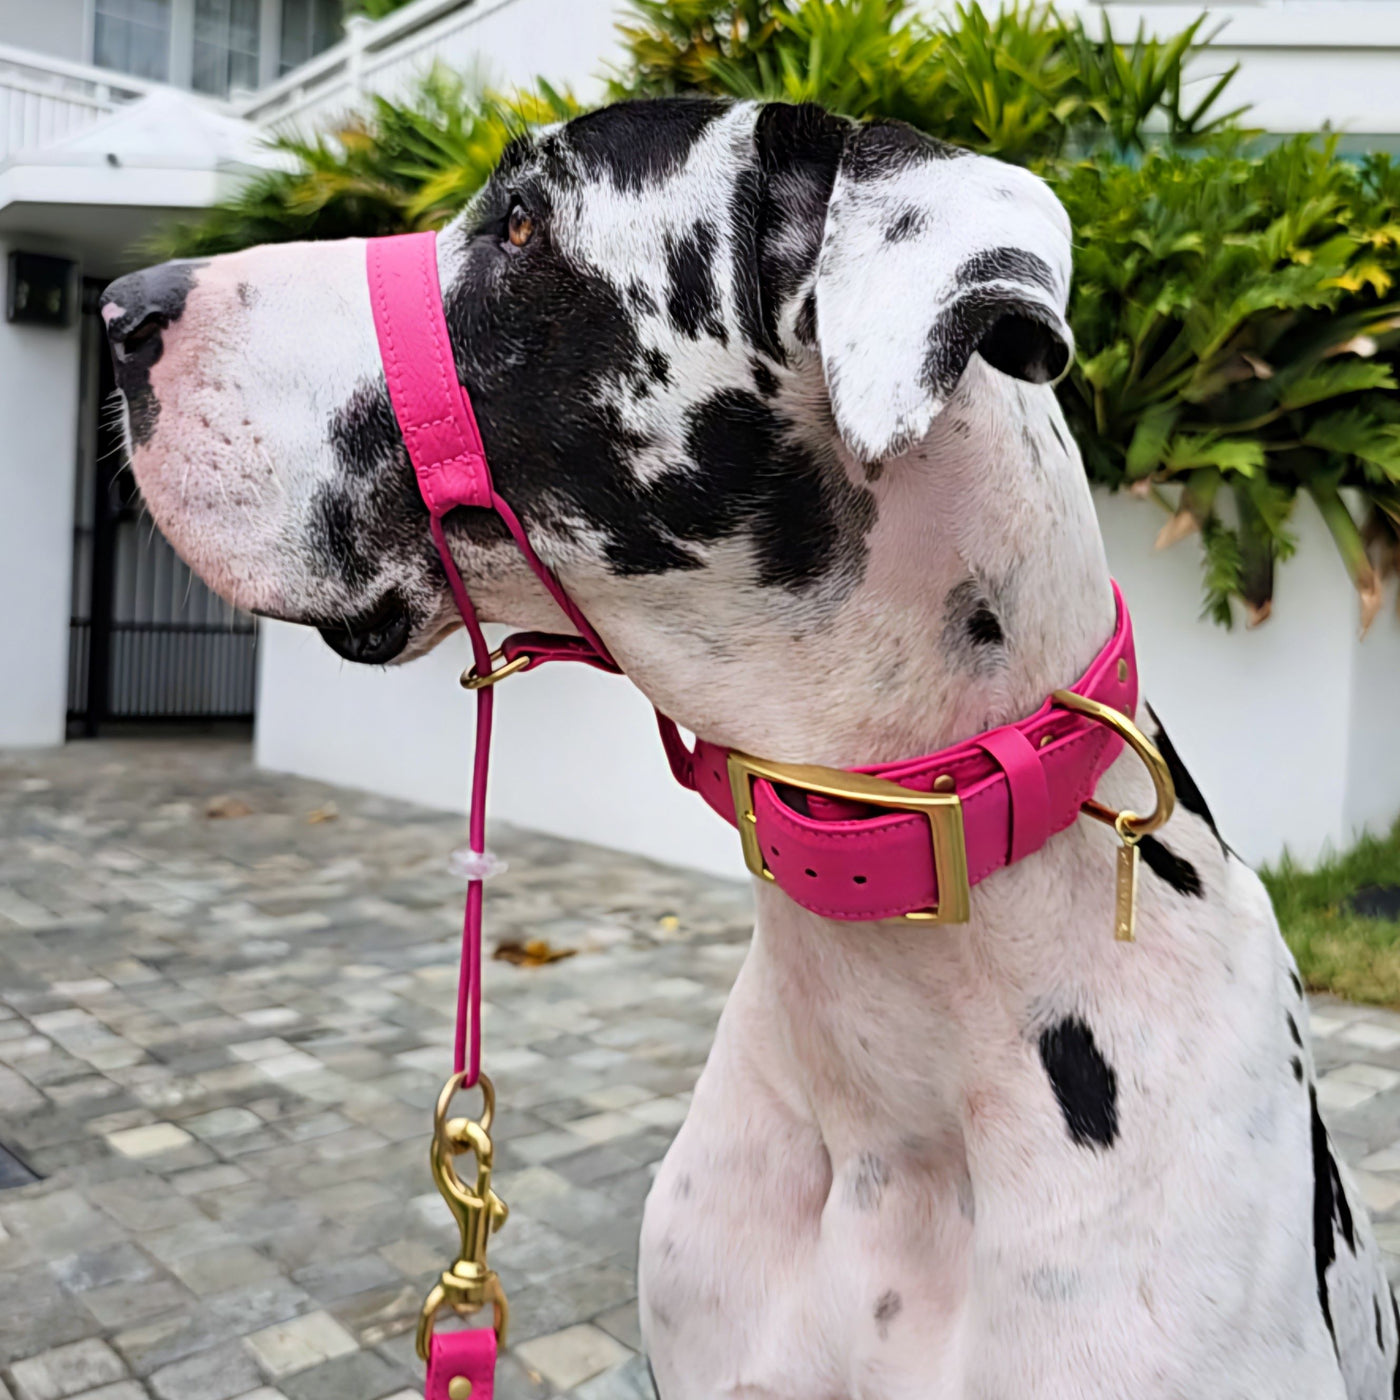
(474, 680)
(1129, 825)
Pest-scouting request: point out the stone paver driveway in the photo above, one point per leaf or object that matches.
(225, 1006)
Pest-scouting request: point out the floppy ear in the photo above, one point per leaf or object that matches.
(931, 254)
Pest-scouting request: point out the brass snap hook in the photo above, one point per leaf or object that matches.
(470, 1283)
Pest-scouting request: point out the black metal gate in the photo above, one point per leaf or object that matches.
(147, 641)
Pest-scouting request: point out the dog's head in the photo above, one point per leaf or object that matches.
(692, 332)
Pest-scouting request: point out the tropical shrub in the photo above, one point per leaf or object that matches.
(1236, 332)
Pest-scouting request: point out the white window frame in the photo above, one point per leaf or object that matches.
(180, 64)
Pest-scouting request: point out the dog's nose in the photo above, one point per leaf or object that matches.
(138, 307)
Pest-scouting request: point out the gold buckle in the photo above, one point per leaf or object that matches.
(943, 810)
(472, 680)
(470, 1283)
(1129, 825)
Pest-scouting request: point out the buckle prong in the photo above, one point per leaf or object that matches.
(943, 811)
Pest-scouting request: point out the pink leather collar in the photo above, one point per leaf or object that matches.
(1015, 787)
(845, 845)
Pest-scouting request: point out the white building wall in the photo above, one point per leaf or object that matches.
(39, 378)
(55, 27)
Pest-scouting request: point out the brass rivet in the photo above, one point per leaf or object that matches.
(943, 783)
(1122, 669)
(458, 1388)
(1046, 739)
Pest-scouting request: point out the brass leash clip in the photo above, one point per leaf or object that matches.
(470, 1283)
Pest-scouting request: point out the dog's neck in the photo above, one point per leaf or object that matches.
(984, 588)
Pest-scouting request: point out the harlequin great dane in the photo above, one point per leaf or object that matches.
(770, 391)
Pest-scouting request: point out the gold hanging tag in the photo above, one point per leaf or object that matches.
(1125, 902)
(470, 1283)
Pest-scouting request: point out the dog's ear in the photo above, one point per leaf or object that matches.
(928, 255)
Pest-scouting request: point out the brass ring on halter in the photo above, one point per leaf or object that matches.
(473, 680)
(1129, 825)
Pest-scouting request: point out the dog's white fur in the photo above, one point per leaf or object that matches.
(875, 1193)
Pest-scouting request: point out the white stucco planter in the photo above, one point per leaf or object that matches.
(1289, 729)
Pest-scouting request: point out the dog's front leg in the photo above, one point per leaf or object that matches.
(732, 1228)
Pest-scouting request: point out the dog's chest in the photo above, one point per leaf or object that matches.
(962, 1196)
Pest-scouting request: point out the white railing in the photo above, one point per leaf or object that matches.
(43, 99)
(382, 56)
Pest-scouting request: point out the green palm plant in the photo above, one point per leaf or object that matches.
(1237, 337)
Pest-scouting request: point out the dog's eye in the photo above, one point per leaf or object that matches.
(520, 227)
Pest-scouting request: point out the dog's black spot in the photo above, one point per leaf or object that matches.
(1331, 1211)
(247, 294)
(1324, 1246)
(636, 144)
(777, 215)
(764, 380)
(908, 222)
(866, 1184)
(888, 1306)
(658, 365)
(1297, 984)
(1085, 1085)
(804, 516)
(1380, 1331)
(364, 433)
(655, 1389)
(335, 532)
(984, 628)
(973, 635)
(1293, 1030)
(1166, 865)
(1059, 437)
(642, 299)
(1187, 793)
(691, 300)
(1297, 1065)
(1006, 265)
(883, 148)
(805, 326)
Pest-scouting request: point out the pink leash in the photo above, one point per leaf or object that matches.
(902, 840)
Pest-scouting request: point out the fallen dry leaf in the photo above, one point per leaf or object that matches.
(326, 813)
(226, 805)
(535, 953)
